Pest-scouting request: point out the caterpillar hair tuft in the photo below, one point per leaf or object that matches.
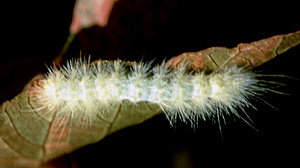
(86, 90)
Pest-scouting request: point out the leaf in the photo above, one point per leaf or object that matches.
(90, 12)
(249, 55)
(86, 13)
(28, 138)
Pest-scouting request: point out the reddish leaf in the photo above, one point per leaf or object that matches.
(38, 135)
(249, 55)
(90, 12)
(30, 135)
(86, 13)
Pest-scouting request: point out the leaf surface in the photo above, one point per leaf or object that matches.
(31, 135)
(249, 55)
(90, 12)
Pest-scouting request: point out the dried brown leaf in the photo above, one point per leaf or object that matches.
(28, 138)
(248, 55)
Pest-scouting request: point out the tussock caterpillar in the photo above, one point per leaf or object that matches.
(85, 90)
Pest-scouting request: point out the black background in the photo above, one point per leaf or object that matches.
(34, 32)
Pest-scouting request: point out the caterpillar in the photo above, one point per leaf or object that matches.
(87, 90)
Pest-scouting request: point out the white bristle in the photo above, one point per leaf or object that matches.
(88, 89)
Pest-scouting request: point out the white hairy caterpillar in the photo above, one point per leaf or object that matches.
(87, 90)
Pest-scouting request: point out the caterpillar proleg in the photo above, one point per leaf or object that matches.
(88, 90)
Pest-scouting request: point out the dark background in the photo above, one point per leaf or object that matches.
(34, 33)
